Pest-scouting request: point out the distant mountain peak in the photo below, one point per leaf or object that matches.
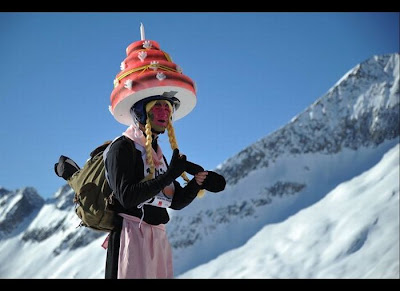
(18, 206)
(32, 196)
(3, 191)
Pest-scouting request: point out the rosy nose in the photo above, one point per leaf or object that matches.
(162, 112)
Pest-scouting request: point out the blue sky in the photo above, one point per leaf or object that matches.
(254, 72)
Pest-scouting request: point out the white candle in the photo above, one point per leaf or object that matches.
(142, 31)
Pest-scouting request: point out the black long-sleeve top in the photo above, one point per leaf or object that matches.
(125, 170)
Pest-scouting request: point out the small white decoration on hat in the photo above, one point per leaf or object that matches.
(147, 44)
(116, 82)
(160, 76)
(179, 69)
(128, 84)
(154, 65)
(122, 66)
(142, 55)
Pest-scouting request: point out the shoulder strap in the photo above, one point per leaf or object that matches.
(100, 148)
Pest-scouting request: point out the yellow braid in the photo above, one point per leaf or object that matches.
(149, 141)
(148, 147)
(174, 145)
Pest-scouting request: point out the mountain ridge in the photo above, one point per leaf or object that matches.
(350, 130)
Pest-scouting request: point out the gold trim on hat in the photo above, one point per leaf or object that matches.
(143, 69)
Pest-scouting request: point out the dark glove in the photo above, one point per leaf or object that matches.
(177, 165)
(214, 182)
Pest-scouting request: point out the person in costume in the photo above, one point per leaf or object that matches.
(144, 186)
(149, 94)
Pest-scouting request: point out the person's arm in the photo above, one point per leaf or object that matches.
(122, 162)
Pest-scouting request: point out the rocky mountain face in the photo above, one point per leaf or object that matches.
(17, 207)
(342, 133)
(73, 238)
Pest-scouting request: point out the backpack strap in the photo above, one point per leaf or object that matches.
(100, 148)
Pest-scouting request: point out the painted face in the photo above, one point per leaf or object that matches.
(159, 115)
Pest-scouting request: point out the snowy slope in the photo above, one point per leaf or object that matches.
(353, 232)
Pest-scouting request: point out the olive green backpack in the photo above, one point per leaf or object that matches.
(93, 196)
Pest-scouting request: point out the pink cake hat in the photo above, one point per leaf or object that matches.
(148, 71)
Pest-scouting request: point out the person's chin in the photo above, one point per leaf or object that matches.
(158, 129)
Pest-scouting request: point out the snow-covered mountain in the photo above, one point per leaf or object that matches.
(299, 189)
(343, 235)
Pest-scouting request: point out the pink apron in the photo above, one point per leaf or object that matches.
(144, 251)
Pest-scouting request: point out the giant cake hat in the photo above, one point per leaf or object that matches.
(148, 71)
